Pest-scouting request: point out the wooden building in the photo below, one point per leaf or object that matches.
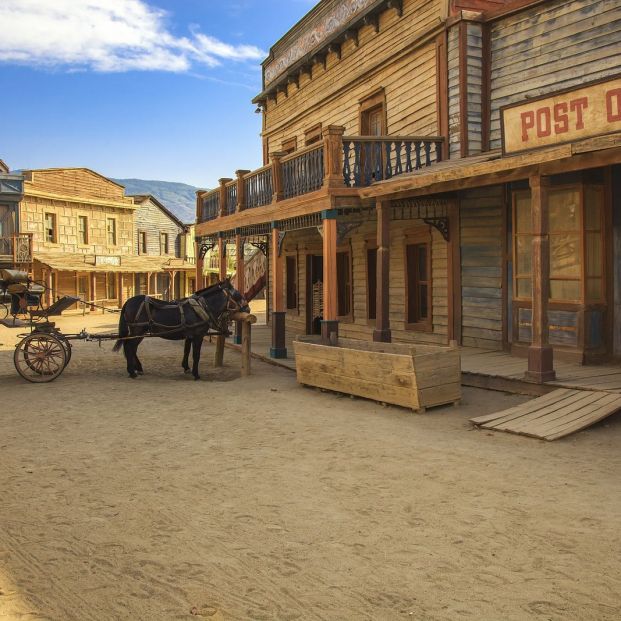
(440, 170)
(83, 235)
(15, 249)
(159, 233)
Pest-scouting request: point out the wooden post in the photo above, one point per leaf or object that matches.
(540, 354)
(223, 205)
(49, 294)
(333, 156)
(120, 295)
(329, 324)
(241, 190)
(149, 274)
(240, 271)
(382, 332)
(246, 346)
(277, 178)
(219, 358)
(93, 278)
(454, 274)
(278, 348)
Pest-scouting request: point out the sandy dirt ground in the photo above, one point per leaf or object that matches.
(165, 498)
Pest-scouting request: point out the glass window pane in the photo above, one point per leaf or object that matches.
(565, 290)
(422, 262)
(594, 254)
(594, 289)
(523, 222)
(564, 210)
(565, 254)
(593, 199)
(524, 255)
(524, 288)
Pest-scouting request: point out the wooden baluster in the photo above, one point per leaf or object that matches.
(333, 152)
(223, 205)
(417, 148)
(398, 163)
(388, 150)
(357, 164)
(241, 190)
(378, 172)
(277, 176)
(439, 145)
(346, 164)
(367, 162)
(408, 156)
(427, 153)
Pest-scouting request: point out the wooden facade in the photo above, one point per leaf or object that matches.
(390, 211)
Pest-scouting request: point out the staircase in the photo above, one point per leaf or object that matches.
(255, 273)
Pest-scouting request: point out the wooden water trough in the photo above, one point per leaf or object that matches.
(412, 376)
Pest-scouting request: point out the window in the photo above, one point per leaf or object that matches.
(142, 242)
(50, 228)
(313, 135)
(373, 115)
(292, 282)
(289, 146)
(418, 259)
(522, 241)
(82, 230)
(111, 231)
(111, 286)
(343, 283)
(163, 243)
(371, 283)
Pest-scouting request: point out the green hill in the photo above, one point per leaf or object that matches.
(179, 198)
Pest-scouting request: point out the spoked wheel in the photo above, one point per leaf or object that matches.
(40, 357)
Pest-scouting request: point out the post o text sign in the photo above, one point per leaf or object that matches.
(592, 110)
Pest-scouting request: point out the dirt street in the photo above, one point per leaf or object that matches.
(163, 498)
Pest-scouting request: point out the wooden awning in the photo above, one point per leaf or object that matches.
(74, 262)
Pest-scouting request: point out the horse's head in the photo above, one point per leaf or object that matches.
(235, 297)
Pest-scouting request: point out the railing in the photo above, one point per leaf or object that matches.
(231, 198)
(374, 158)
(336, 162)
(258, 187)
(211, 206)
(303, 172)
(16, 248)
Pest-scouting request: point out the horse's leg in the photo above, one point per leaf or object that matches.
(186, 355)
(139, 368)
(129, 349)
(197, 343)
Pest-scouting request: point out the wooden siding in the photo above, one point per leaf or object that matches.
(79, 182)
(332, 95)
(474, 81)
(302, 243)
(550, 47)
(454, 93)
(481, 216)
(152, 220)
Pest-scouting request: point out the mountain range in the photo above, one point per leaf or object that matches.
(179, 198)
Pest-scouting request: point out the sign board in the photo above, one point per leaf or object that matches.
(102, 259)
(566, 116)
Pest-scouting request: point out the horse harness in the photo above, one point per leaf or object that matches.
(197, 304)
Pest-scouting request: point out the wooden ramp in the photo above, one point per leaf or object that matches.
(554, 415)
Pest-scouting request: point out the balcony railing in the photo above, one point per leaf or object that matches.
(16, 249)
(367, 159)
(336, 162)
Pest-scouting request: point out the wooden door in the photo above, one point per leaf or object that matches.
(372, 123)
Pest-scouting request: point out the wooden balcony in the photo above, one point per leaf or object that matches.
(309, 179)
(16, 250)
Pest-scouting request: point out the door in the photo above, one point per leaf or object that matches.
(83, 288)
(314, 293)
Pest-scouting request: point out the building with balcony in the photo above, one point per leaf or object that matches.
(15, 249)
(439, 170)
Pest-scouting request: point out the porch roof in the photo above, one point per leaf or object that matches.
(75, 262)
(491, 168)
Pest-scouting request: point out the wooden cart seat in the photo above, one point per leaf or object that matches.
(62, 304)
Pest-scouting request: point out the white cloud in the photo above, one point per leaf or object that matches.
(106, 35)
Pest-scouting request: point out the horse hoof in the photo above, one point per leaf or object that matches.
(140, 372)
(187, 371)
(133, 375)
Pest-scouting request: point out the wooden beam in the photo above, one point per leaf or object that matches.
(540, 354)
(382, 305)
(454, 274)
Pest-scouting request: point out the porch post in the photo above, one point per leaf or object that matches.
(279, 346)
(240, 271)
(49, 294)
(540, 354)
(329, 324)
(382, 305)
(333, 156)
(120, 293)
(149, 283)
(93, 289)
(222, 255)
(199, 266)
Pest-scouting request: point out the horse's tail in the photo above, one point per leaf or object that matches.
(123, 331)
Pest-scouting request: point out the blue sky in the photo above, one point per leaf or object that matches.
(156, 89)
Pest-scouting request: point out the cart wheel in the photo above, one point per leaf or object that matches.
(40, 357)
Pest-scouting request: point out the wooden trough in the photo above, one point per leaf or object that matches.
(413, 376)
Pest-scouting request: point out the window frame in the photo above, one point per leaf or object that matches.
(115, 231)
(164, 236)
(290, 145)
(54, 216)
(86, 240)
(143, 250)
(313, 135)
(419, 236)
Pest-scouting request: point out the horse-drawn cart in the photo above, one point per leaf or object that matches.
(43, 354)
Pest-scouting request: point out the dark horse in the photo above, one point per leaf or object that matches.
(190, 319)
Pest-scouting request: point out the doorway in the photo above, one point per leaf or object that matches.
(314, 293)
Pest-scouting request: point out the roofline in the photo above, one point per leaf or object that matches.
(34, 170)
(157, 203)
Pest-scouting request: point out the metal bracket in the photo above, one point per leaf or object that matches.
(343, 229)
(205, 248)
(442, 224)
(320, 230)
(261, 245)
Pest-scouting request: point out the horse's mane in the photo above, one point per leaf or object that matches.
(209, 289)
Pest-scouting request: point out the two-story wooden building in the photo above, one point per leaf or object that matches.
(440, 170)
(15, 249)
